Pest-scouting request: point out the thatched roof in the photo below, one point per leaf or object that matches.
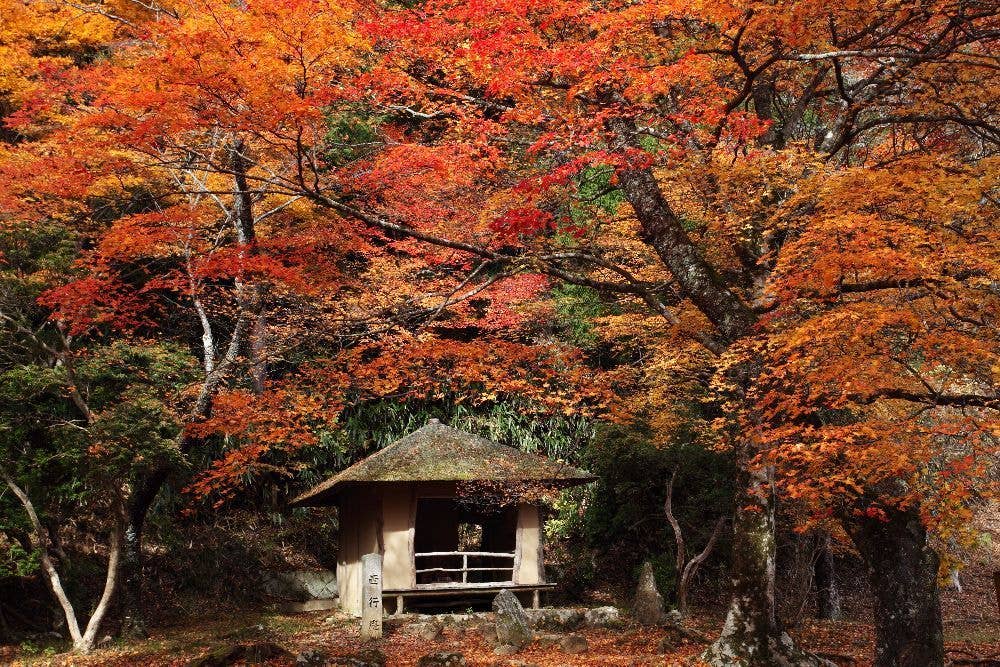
(437, 453)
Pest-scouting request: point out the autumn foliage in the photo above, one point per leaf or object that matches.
(785, 214)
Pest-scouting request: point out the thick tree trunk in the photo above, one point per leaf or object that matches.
(903, 570)
(825, 574)
(751, 636)
(664, 232)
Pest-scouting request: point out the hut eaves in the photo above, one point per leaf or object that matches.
(436, 453)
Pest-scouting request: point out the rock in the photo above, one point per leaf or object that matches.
(442, 659)
(310, 658)
(668, 644)
(648, 603)
(429, 631)
(461, 620)
(506, 649)
(489, 633)
(366, 657)
(513, 628)
(603, 617)
(256, 653)
(555, 619)
(301, 584)
(217, 657)
(548, 641)
(574, 644)
(674, 617)
(309, 605)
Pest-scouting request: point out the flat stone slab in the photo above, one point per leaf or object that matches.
(301, 585)
(564, 619)
(308, 605)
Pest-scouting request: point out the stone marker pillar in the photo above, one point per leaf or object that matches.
(371, 596)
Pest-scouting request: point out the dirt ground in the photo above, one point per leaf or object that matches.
(976, 637)
(972, 636)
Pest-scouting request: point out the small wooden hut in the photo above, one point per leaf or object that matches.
(411, 502)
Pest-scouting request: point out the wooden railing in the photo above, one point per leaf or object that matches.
(465, 569)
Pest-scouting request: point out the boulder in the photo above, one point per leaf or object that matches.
(310, 658)
(462, 620)
(413, 629)
(442, 659)
(603, 617)
(559, 619)
(254, 653)
(506, 649)
(548, 640)
(648, 604)
(573, 644)
(430, 631)
(489, 633)
(513, 628)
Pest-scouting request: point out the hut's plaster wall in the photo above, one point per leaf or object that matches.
(360, 533)
(397, 536)
(528, 557)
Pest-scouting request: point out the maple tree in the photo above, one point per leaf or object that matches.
(791, 205)
(182, 161)
(727, 129)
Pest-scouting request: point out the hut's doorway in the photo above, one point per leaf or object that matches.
(459, 544)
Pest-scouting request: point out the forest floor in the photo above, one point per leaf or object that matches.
(971, 624)
(333, 634)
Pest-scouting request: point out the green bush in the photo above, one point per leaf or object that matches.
(620, 522)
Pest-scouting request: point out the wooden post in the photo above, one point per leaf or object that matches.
(371, 596)
(465, 568)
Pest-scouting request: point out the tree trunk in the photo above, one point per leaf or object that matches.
(751, 636)
(251, 308)
(664, 232)
(903, 570)
(83, 641)
(686, 569)
(251, 298)
(827, 593)
(131, 597)
(89, 637)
